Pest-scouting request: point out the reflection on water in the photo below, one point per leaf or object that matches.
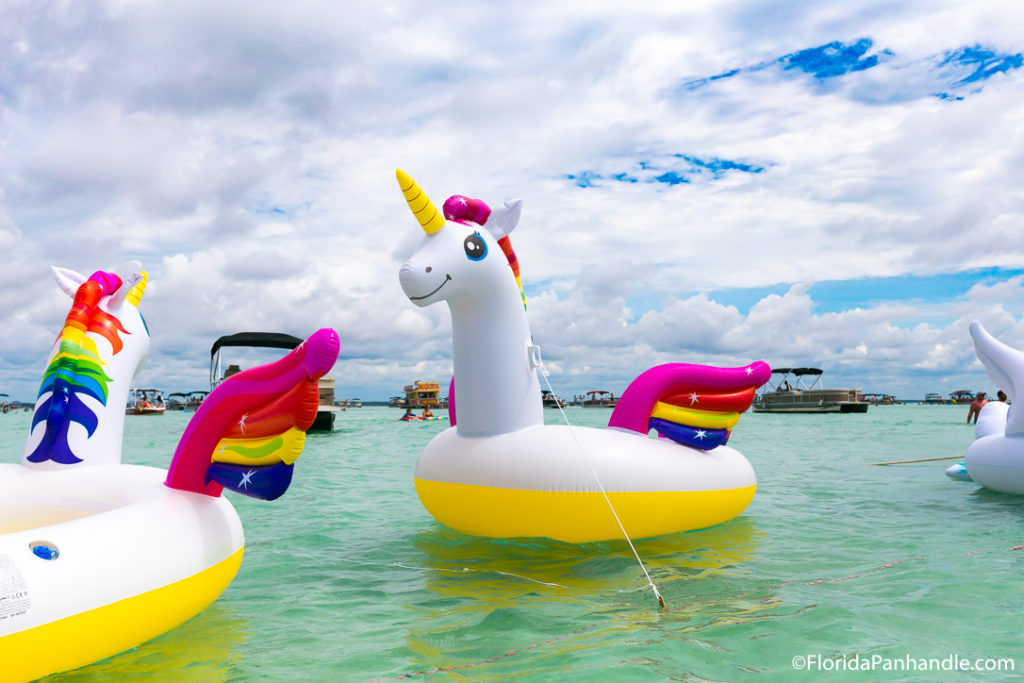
(468, 565)
(205, 648)
(491, 594)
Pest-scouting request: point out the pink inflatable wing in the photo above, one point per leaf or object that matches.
(451, 401)
(695, 405)
(249, 391)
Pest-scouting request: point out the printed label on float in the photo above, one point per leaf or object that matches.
(13, 590)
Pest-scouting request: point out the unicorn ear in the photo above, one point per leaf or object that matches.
(503, 220)
(68, 280)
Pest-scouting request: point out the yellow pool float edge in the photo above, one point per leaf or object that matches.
(577, 516)
(88, 637)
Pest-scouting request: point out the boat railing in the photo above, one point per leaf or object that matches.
(815, 396)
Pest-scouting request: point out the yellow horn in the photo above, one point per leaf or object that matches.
(134, 295)
(429, 217)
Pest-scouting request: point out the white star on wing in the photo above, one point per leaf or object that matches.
(701, 434)
(241, 422)
(749, 370)
(247, 479)
(693, 398)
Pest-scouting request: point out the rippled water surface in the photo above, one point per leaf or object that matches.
(347, 578)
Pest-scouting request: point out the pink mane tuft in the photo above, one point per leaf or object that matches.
(466, 209)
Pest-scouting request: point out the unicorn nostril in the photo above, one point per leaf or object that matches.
(429, 269)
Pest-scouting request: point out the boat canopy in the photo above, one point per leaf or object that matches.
(268, 340)
(797, 371)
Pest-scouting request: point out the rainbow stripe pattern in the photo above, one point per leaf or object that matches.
(249, 431)
(693, 405)
(76, 370)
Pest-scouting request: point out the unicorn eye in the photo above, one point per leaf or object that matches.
(475, 247)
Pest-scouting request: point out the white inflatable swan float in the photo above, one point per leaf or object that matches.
(96, 556)
(499, 471)
(996, 458)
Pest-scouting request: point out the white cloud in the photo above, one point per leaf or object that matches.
(244, 153)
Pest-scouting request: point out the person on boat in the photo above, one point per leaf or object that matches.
(976, 406)
(1001, 395)
(427, 412)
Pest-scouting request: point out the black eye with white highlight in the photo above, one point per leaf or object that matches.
(476, 248)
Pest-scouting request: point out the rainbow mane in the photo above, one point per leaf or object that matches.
(247, 433)
(75, 370)
(693, 405)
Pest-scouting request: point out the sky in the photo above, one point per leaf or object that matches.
(826, 184)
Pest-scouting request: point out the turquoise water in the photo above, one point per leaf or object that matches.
(347, 578)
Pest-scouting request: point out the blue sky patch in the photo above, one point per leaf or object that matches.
(983, 63)
(678, 169)
(671, 178)
(822, 62)
(952, 70)
(833, 59)
(835, 296)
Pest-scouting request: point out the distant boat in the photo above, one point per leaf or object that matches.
(421, 394)
(934, 399)
(176, 400)
(195, 398)
(599, 398)
(274, 340)
(961, 396)
(549, 400)
(145, 402)
(787, 392)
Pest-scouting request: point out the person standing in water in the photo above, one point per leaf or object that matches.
(976, 405)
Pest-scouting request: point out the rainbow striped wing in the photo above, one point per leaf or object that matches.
(255, 457)
(693, 405)
(247, 433)
(700, 417)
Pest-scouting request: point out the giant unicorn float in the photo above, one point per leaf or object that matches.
(97, 556)
(499, 471)
(996, 458)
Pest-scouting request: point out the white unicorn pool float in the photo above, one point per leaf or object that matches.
(996, 458)
(96, 556)
(498, 471)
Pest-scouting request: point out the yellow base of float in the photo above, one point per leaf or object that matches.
(90, 636)
(577, 516)
(540, 482)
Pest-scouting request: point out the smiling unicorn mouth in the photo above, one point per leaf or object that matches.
(426, 296)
